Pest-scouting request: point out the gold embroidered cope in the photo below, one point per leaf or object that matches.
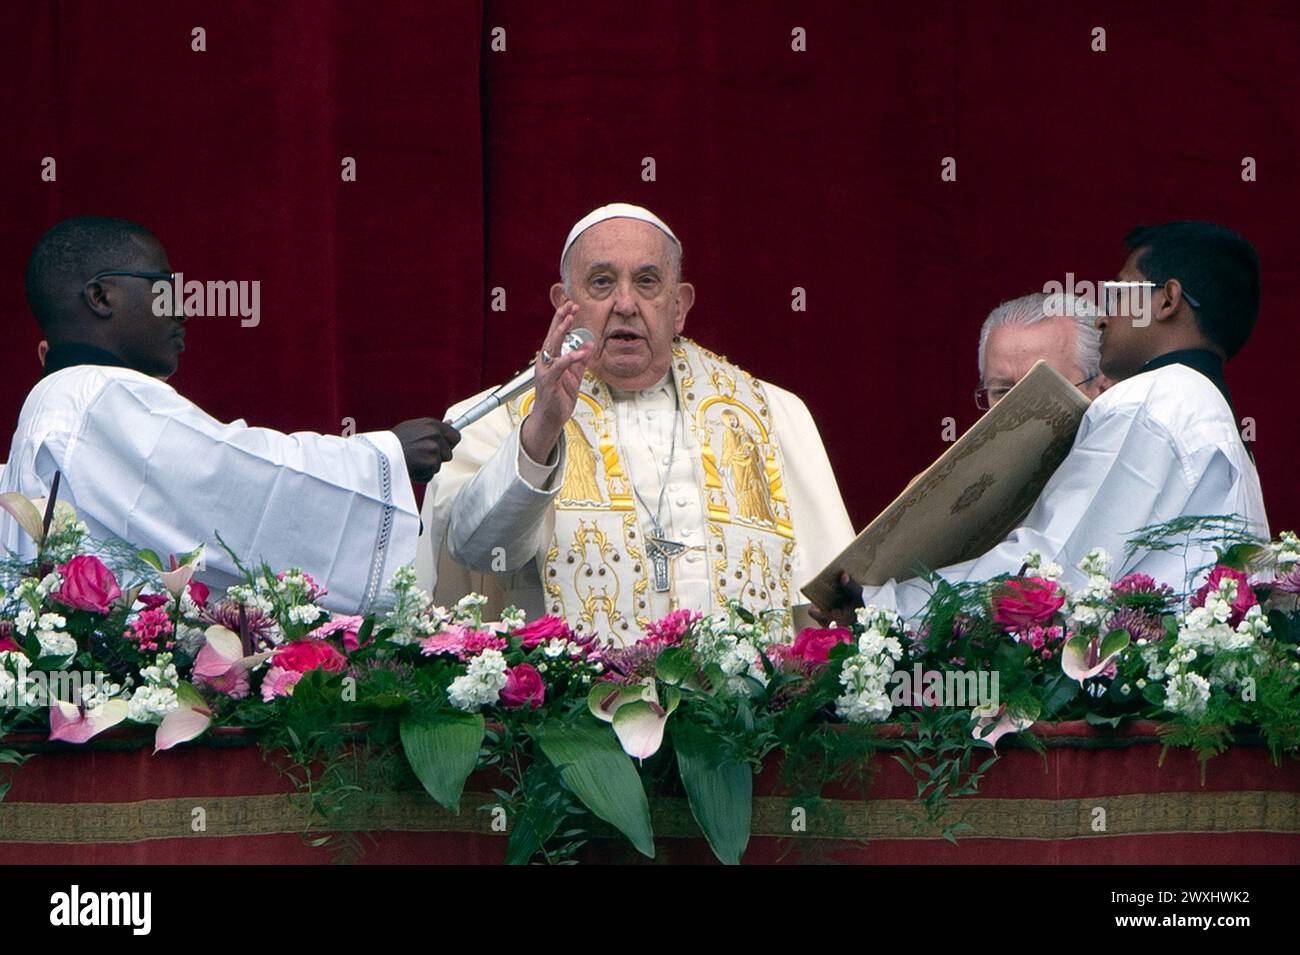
(597, 574)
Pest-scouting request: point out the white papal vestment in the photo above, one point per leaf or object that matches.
(1159, 445)
(490, 514)
(143, 464)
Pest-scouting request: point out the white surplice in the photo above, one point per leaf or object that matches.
(145, 465)
(491, 506)
(1159, 445)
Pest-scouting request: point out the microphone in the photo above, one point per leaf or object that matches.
(520, 383)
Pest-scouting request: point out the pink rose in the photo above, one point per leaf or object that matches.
(542, 630)
(523, 687)
(87, 585)
(1021, 604)
(303, 655)
(814, 645)
(1245, 595)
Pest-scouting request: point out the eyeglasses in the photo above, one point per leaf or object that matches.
(152, 276)
(986, 398)
(1118, 287)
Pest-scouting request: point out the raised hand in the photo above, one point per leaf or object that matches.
(557, 383)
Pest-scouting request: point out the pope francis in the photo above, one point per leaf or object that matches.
(642, 473)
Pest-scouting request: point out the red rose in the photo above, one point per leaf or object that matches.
(1021, 604)
(1245, 595)
(543, 629)
(303, 655)
(523, 687)
(815, 645)
(87, 585)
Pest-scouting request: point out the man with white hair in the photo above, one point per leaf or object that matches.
(643, 473)
(1057, 329)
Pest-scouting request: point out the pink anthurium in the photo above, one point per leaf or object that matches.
(181, 569)
(185, 722)
(1002, 721)
(73, 723)
(221, 663)
(636, 713)
(606, 698)
(639, 725)
(1083, 658)
(25, 512)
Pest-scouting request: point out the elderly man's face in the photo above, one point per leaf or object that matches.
(1011, 350)
(622, 276)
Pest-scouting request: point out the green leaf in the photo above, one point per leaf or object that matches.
(152, 559)
(1096, 719)
(443, 751)
(593, 765)
(720, 792)
(538, 816)
(675, 666)
(1059, 692)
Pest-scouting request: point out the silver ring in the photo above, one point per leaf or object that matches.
(546, 357)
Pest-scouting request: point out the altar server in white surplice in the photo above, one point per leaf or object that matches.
(1160, 444)
(644, 473)
(143, 464)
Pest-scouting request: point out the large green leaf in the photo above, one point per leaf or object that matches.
(443, 751)
(720, 792)
(593, 765)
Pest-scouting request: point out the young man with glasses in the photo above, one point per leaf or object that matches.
(1160, 444)
(143, 464)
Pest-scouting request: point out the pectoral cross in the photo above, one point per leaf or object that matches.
(661, 551)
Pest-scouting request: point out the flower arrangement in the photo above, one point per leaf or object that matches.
(577, 727)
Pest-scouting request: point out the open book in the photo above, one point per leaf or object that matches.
(974, 495)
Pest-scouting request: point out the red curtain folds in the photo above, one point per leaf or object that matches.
(780, 169)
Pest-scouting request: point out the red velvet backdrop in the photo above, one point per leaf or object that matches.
(816, 169)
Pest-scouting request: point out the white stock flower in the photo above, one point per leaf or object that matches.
(1286, 549)
(482, 683)
(1038, 566)
(1096, 561)
(304, 614)
(149, 704)
(1187, 694)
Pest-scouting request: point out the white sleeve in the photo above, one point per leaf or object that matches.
(155, 470)
(499, 516)
(821, 523)
(1123, 473)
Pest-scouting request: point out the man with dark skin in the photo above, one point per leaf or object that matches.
(102, 413)
(114, 313)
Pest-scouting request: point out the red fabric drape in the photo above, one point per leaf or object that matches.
(779, 169)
